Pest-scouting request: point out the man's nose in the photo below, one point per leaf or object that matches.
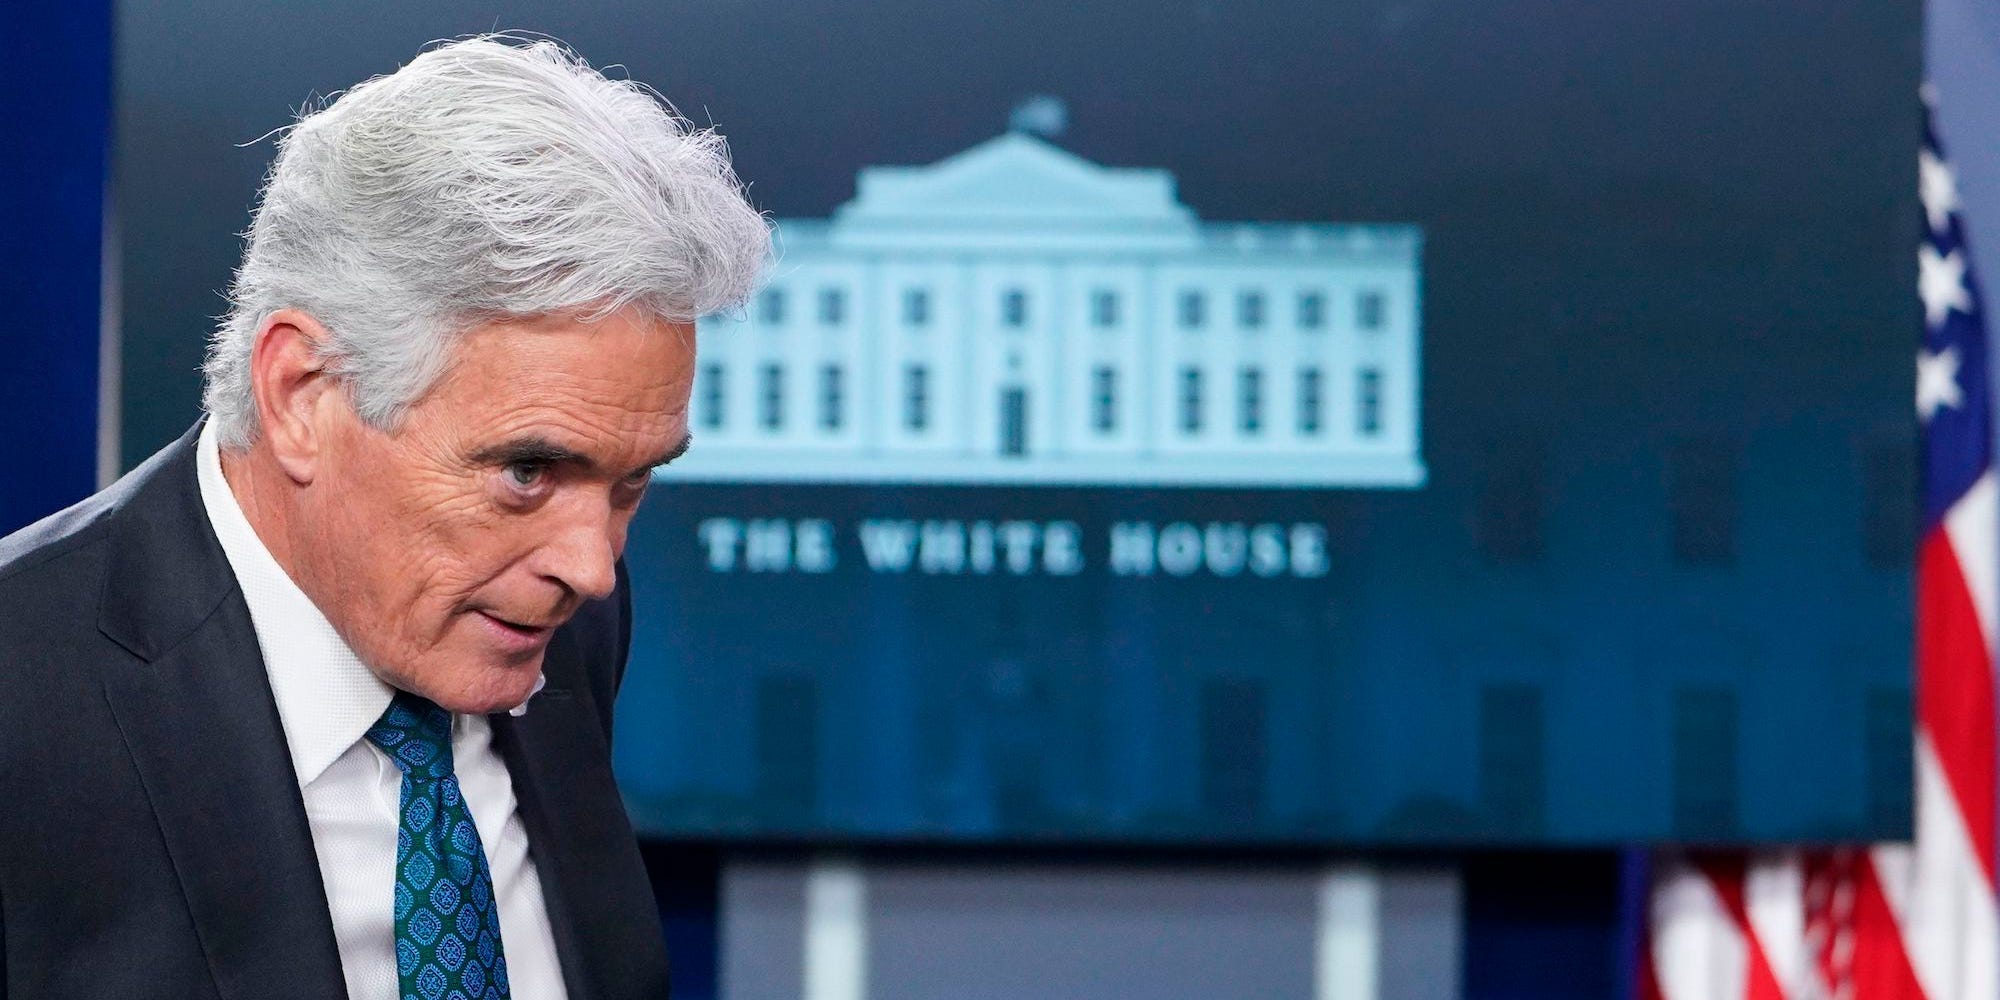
(583, 556)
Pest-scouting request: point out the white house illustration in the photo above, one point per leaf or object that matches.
(1017, 314)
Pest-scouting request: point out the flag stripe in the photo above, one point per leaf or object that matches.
(1972, 524)
(1772, 890)
(1698, 951)
(1938, 896)
(1955, 691)
(1729, 877)
(1881, 964)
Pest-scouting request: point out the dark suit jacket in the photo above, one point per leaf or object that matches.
(153, 842)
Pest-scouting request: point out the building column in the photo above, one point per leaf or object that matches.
(836, 931)
(1388, 933)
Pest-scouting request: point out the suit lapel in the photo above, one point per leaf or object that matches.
(583, 846)
(198, 717)
(204, 732)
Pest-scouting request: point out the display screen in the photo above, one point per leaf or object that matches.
(1382, 422)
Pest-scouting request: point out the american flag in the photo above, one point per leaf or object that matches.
(1910, 921)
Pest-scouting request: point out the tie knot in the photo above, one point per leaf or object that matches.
(416, 734)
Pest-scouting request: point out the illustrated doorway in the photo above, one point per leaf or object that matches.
(1013, 422)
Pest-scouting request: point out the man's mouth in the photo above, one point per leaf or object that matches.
(519, 636)
(525, 628)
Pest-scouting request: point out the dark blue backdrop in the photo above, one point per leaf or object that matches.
(55, 104)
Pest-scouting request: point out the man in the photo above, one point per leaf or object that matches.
(317, 701)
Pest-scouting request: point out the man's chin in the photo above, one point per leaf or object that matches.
(496, 685)
(519, 684)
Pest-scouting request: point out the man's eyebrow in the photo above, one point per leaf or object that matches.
(687, 440)
(541, 451)
(532, 450)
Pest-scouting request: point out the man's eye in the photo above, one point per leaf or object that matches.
(525, 474)
(639, 478)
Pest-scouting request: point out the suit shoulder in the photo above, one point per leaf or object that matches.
(42, 551)
(51, 586)
(30, 557)
(55, 567)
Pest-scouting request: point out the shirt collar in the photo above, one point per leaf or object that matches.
(327, 698)
(541, 681)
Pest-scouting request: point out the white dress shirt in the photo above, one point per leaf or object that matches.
(327, 700)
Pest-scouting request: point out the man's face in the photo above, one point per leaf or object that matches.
(446, 551)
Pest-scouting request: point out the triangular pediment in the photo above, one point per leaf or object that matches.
(1014, 177)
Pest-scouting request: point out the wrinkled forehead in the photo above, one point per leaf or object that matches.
(611, 389)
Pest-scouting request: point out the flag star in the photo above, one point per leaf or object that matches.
(1937, 382)
(1941, 283)
(1938, 187)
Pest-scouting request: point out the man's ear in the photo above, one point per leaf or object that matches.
(293, 391)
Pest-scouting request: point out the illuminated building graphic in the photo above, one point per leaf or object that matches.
(1017, 314)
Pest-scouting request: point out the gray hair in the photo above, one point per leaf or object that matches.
(490, 177)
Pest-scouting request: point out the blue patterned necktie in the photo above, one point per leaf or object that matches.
(447, 922)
